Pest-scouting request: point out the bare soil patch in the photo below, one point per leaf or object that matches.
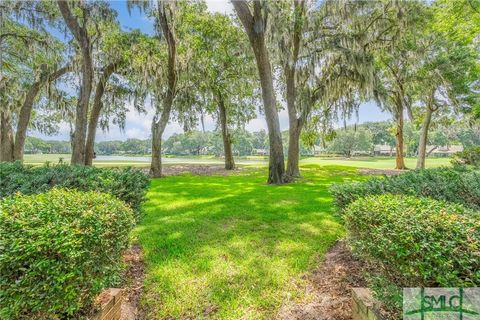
(133, 284)
(330, 286)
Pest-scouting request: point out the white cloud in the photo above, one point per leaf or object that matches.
(221, 6)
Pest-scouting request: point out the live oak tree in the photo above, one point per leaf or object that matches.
(254, 20)
(78, 27)
(324, 51)
(113, 85)
(160, 74)
(223, 79)
(82, 20)
(394, 66)
(445, 77)
(291, 19)
(31, 62)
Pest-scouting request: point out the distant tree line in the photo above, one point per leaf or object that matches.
(418, 60)
(348, 141)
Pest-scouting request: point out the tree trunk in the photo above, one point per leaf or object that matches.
(92, 131)
(81, 114)
(399, 161)
(422, 146)
(158, 126)
(95, 113)
(6, 137)
(294, 132)
(227, 145)
(276, 167)
(295, 126)
(255, 26)
(295, 123)
(26, 111)
(24, 120)
(156, 165)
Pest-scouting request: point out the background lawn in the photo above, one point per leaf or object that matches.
(144, 161)
(232, 247)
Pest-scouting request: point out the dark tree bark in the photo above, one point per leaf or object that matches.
(227, 144)
(81, 115)
(26, 110)
(96, 111)
(295, 122)
(255, 25)
(399, 161)
(6, 137)
(159, 123)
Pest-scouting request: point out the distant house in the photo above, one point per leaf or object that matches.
(318, 150)
(259, 152)
(443, 150)
(383, 150)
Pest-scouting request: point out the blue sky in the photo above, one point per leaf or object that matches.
(138, 125)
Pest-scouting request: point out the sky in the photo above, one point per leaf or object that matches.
(138, 125)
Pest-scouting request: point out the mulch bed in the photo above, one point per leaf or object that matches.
(133, 284)
(330, 286)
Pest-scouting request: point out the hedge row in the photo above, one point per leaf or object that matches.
(459, 186)
(414, 242)
(127, 184)
(467, 157)
(58, 250)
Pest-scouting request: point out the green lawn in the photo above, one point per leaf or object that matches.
(375, 162)
(233, 244)
(363, 162)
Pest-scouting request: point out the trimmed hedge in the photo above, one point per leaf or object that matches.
(58, 250)
(440, 183)
(414, 242)
(126, 184)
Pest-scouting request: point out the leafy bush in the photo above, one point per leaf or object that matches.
(440, 183)
(469, 156)
(414, 242)
(59, 249)
(127, 184)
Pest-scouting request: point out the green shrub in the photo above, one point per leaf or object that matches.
(414, 242)
(127, 184)
(440, 183)
(58, 250)
(469, 156)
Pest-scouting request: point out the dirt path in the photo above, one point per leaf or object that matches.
(133, 285)
(330, 286)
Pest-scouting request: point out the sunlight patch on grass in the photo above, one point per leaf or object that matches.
(234, 244)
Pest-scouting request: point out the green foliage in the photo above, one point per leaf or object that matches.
(349, 141)
(439, 183)
(59, 250)
(126, 184)
(414, 242)
(469, 156)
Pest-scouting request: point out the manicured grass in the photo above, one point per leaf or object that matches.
(363, 162)
(375, 162)
(233, 247)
